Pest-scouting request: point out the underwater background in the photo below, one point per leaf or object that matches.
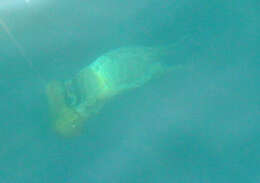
(197, 124)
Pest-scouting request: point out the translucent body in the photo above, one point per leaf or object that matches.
(109, 75)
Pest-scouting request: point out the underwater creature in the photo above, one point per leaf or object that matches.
(74, 101)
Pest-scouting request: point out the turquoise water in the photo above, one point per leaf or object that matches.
(199, 124)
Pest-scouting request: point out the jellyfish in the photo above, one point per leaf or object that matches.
(75, 101)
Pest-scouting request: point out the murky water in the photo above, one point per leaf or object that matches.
(199, 123)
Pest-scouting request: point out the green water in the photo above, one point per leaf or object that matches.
(199, 124)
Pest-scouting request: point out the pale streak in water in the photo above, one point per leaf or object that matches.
(15, 42)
